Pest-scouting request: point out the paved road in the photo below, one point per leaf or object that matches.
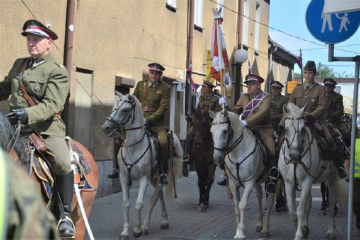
(217, 222)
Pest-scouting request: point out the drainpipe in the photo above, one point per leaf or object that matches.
(173, 105)
(238, 86)
(189, 54)
(69, 40)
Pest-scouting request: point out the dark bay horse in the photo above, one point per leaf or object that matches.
(202, 155)
(20, 153)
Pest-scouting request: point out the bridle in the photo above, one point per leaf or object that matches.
(289, 144)
(226, 149)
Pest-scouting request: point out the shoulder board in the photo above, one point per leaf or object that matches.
(299, 84)
(59, 64)
(215, 95)
(166, 84)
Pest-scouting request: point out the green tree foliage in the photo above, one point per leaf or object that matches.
(297, 75)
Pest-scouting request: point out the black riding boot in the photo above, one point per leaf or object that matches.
(186, 157)
(163, 180)
(115, 172)
(336, 156)
(65, 186)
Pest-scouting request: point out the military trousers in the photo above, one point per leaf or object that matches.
(62, 162)
(163, 140)
(269, 143)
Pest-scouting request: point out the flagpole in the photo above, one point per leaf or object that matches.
(301, 67)
(217, 17)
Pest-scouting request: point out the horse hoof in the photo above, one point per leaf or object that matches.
(322, 213)
(146, 232)
(330, 236)
(137, 234)
(123, 237)
(202, 207)
(305, 230)
(265, 234)
(258, 228)
(164, 226)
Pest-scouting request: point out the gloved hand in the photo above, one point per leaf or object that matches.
(244, 122)
(222, 100)
(147, 123)
(280, 129)
(188, 118)
(310, 118)
(19, 114)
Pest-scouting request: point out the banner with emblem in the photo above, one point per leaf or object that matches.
(220, 60)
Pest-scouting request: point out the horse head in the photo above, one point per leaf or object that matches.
(123, 115)
(295, 131)
(222, 131)
(201, 126)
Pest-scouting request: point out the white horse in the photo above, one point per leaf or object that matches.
(301, 166)
(137, 160)
(240, 151)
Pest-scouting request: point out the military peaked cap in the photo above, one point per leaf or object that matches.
(252, 77)
(156, 67)
(35, 27)
(329, 81)
(277, 84)
(208, 84)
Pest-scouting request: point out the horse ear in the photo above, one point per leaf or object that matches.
(285, 109)
(302, 110)
(212, 114)
(118, 93)
(131, 98)
(226, 114)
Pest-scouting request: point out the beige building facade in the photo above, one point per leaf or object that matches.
(112, 42)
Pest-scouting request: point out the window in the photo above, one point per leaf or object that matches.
(171, 4)
(199, 12)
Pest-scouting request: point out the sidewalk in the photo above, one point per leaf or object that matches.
(217, 222)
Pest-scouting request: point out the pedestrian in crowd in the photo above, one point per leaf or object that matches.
(38, 86)
(312, 95)
(254, 108)
(356, 195)
(25, 214)
(207, 99)
(154, 96)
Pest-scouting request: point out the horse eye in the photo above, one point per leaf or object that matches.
(225, 131)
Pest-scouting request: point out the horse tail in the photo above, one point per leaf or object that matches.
(342, 195)
(175, 172)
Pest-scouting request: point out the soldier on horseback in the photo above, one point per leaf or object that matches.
(312, 95)
(207, 99)
(154, 96)
(39, 86)
(254, 108)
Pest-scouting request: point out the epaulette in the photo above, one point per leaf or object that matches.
(166, 84)
(299, 84)
(59, 64)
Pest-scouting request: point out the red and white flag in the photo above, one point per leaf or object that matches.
(299, 61)
(188, 74)
(249, 68)
(219, 61)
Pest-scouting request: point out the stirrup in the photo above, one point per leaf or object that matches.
(166, 182)
(222, 181)
(271, 188)
(274, 173)
(66, 219)
(186, 158)
(114, 175)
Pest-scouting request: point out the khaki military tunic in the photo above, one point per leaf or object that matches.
(212, 102)
(277, 106)
(259, 119)
(47, 83)
(159, 102)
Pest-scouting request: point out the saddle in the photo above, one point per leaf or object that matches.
(156, 139)
(265, 151)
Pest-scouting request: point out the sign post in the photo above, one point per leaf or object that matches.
(328, 27)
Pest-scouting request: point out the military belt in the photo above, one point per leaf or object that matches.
(149, 109)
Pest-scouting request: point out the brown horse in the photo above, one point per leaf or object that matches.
(202, 155)
(19, 153)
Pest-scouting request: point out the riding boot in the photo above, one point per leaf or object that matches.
(222, 180)
(163, 180)
(115, 172)
(336, 156)
(271, 187)
(186, 157)
(65, 186)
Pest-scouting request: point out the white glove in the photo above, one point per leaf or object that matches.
(222, 100)
(243, 122)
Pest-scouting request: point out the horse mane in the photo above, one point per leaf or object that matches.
(235, 121)
(6, 133)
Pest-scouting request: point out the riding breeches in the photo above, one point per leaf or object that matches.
(269, 144)
(163, 140)
(62, 162)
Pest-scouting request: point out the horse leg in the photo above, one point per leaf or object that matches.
(290, 197)
(305, 229)
(323, 196)
(265, 233)
(143, 183)
(164, 214)
(305, 192)
(236, 197)
(154, 198)
(242, 207)
(332, 184)
(209, 182)
(201, 185)
(126, 205)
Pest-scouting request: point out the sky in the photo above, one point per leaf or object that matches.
(288, 16)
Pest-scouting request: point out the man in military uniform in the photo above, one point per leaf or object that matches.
(277, 103)
(38, 86)
(26, 217)
(207, 99)
(254, 108)
(336, 108)
(154, 96)
(312, 95)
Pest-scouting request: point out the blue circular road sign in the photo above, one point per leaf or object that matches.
(330, 28)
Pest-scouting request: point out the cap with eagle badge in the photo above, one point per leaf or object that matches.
(208, 84)
(277, 84)
(329, 81)
(156, 67)
(35, 27)
(251, 78)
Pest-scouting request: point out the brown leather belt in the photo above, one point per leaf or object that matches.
(149, 109)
